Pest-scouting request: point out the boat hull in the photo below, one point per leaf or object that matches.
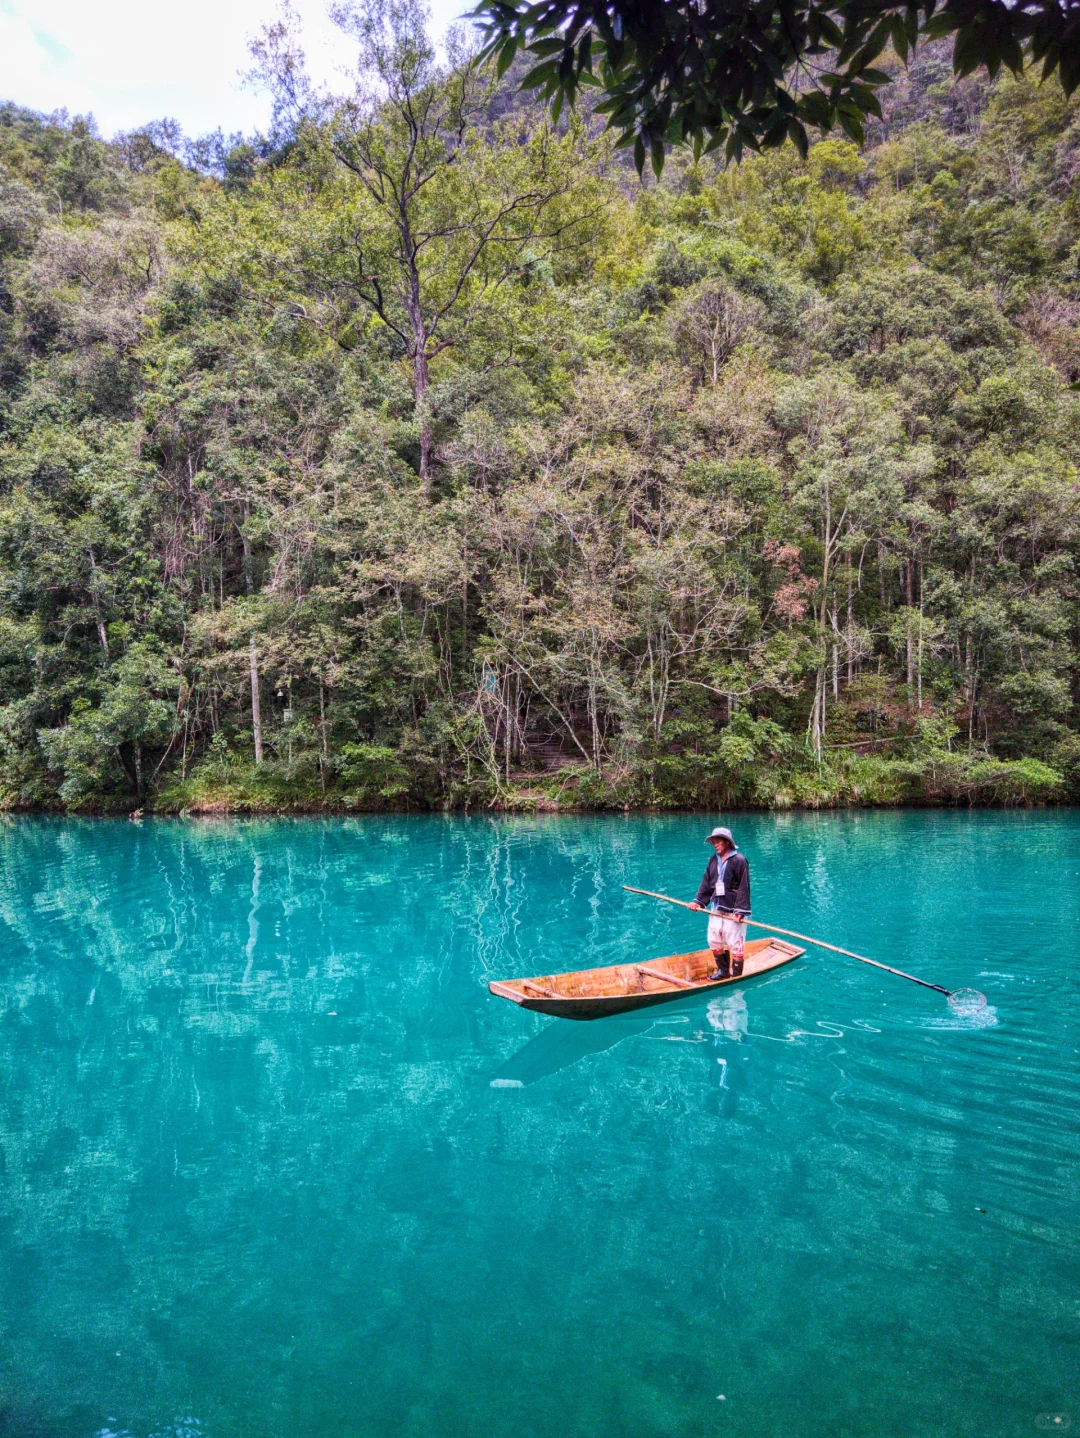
(619, 988)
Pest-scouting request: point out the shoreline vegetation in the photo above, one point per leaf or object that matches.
(927, 776)
(542, 487)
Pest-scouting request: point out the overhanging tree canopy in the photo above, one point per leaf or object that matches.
(750, 74)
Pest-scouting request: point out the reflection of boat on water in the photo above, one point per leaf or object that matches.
(595, 993)
(558, 1046)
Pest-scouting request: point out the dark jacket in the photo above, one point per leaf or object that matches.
(736, 898)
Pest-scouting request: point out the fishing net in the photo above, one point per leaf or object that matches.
(966, 1001)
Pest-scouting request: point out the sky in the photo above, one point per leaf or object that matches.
(127, 62)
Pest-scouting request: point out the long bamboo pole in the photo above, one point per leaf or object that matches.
(790, 933)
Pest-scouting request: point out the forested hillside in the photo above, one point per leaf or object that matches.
(495, 477)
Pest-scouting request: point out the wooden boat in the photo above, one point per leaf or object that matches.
(595, 993)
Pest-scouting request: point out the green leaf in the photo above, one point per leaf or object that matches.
(969, 53)
(816, 109)
(939, 26)
(584, 63)
(900, 39)
(1069, 71)
(866, 100)
(851, 123)
(878, 39)
(547, 47)
(540, 75)
(830, 31)
(506, 57)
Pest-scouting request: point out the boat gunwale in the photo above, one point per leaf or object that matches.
(549, 1000)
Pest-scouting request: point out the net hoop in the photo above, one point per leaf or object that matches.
(966, 1001)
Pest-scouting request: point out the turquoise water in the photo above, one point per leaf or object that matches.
(274, 1163)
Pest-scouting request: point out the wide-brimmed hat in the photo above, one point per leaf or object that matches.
(721, 834)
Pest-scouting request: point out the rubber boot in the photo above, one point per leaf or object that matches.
(723, 963)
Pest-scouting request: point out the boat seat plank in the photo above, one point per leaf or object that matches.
(665, 978)
(540, 989)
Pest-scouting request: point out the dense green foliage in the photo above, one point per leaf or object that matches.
(754, 74)
(532, 485)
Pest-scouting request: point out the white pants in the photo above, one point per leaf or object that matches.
(726, 933)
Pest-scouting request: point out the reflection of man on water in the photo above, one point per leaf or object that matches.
(728, 1017)
(725, 889)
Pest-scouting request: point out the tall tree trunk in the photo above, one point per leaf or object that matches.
(103, 637)
(256, 716)
(835, 659)
(420, 367)
(420, 389)
(817, 713)
(921, 606)
(464, 608)
(246, 543)
(910, 598)
(594, 707)
(323, 755)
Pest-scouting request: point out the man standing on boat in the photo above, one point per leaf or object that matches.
(725, 890)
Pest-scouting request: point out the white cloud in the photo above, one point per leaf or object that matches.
(127, 62)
